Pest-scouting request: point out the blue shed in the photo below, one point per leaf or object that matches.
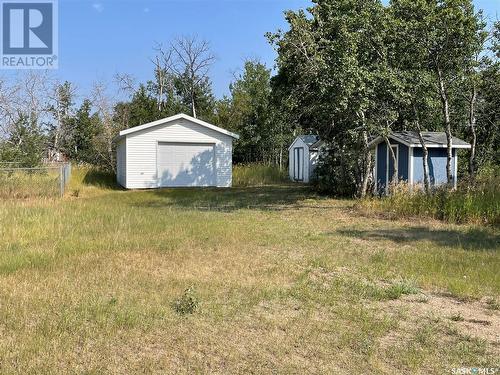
(409, 154)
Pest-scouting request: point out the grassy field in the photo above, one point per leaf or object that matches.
(269, 279)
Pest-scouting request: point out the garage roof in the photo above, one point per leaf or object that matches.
(177, 117)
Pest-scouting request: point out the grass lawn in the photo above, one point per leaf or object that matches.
(280, 281)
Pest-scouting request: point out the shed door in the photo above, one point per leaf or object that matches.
(186, 164)
(298, 163)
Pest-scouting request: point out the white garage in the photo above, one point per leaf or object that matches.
(178, 151)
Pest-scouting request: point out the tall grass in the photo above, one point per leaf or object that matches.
(23, 184)
(476, 203)
(89, 176)
(257, 175)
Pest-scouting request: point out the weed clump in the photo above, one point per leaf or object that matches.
(400, 288)
(187, 303)
(457, 317)
(493, 304)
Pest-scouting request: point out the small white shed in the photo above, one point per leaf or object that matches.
(177, 151)
(303, 156)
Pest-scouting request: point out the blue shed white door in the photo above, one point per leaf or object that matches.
(186, 164)
(298, 163)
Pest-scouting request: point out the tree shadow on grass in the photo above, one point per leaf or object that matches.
(276, 197)
(101, 179)
(472, 239)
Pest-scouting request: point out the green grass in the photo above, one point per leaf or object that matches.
(258, 175)
(479, 204)
(259, 279)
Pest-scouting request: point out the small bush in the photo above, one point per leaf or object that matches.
(258, 175)
(336, 172)
(187, 303)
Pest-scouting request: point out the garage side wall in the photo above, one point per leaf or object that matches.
(142, 151)
(121, 162)
(224, 162)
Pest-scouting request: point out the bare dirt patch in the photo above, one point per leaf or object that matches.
(469, 318)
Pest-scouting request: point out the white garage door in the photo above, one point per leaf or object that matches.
(186, 164)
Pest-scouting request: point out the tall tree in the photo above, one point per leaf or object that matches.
(333, 61)
(488, 105)
(191, 62)
(25, 143)
(409, 57)
(80, 131)
(453, 30)
(250, 94)
(203, 96)
(108, 128)
(24, 114)
(60, 107)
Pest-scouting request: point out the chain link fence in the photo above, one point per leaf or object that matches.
(17, 182)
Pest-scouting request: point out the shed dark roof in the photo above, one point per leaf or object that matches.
(316, 145)
(309, 139)
(431, 139)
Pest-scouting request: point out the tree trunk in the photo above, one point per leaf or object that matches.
(160, 83)
(394, 177)
(472, 124)
(425, 156)
(425, 161)
(160, 96)
(367, 159)
(281, 147)
(281, 158)
(58, 129)
(447, 125)
(193, 108)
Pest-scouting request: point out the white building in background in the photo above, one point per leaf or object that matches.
(303, 156)
(177, 151)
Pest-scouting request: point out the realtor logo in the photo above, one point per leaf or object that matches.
(29, 34)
